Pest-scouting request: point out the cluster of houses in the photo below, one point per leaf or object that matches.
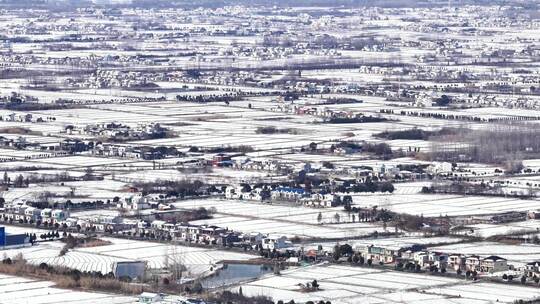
(286, 194)
(215, 235)
(19, 210)
(126, 151)
(259, 165)
(70, 145)
(138, 202)
(426, 259)
(317, 200)
(322, 112)
(118, 130)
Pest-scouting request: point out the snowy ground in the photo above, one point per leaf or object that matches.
(16, 290)
(197, 260)
(487, 230)
(285, 220)
(434, 205)
(344, 284)
(389, 243)
(518, 255)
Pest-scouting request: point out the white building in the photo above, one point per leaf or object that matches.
(275, 242)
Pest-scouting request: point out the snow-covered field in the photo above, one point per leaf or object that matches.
(217, 176)
(434, 205)
(487, 230)
(16, 290)
(344, 284)
(197, 260)
(518, 254)
(388, 243)
(285, 220)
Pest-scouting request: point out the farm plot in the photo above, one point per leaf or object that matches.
(34, 191)
(72, 162)
(487, 230)
(38, 128)
(220, 139)
(410, 188)
(168, 109)
(49, 253)
(343, 284)
(280, 219)
(317, 158)
(16, 165)
(452, 205)
(388, 163)
(20, 230)
(389, 243)
(198, 261)
(92, 116)
(16, 290)
(487, 292)
(82, 190)
(23, 154)
(218, 176)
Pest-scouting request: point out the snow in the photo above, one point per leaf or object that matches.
(198, 261)
(17, 290)
(345, 284)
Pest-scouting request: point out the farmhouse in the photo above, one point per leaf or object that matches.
(492, 264)
(319, 200)
(134, 203)
(287, 194)
(472, 263)
(275, 242)
(378, 254)
(532, 269)
(246, 193)
(456, 261)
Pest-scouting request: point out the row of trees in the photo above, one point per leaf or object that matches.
(504, 144)
(418, 134)
(177, 188)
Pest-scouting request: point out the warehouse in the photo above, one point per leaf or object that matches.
(10, 241)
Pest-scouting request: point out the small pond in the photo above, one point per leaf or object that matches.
(235, 273)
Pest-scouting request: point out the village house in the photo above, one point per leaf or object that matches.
(220, 159)
(378, 254)
(210, 234)
(59, 215)
(46, 214)
(32, 213)
(246, 193)
(319, 200)
(134, 203)
(228, 238)
(287, 194)
(438, 168)
(102, 223)
(493, 264)
(438, 259)
(158, 224)
(275, 242)
(456, 261)
(532, 269)
(421, 258)
(472, 263)
(182, 231)
(253, 238)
